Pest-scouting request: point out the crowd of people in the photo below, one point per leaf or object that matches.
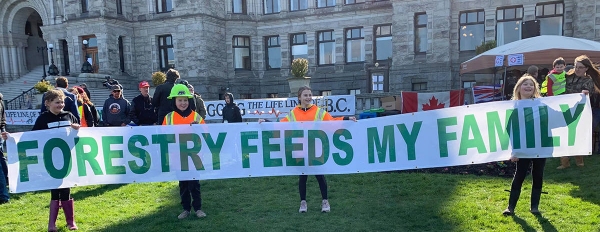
(175, 102)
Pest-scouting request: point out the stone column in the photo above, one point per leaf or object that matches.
(284, 5)
(5, 63)
(312, 4)
(15, 62)
(22, 60)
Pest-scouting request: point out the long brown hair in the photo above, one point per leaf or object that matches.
(302, 90)
(84, 96)
(592, 71)
(517, 92)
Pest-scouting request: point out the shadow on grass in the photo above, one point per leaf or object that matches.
(524, 225)
(586, 177)
(359, 202)
(94, 191)
(546, 224)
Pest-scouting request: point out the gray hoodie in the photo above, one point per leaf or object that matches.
(115, 111)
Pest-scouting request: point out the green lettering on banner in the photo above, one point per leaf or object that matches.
(470, 126)
(290, 147)
(192, 152)
(572, 120)
(164, 140)
(246, 147)
(140, 153)
(546, 141)
(529, 127)
(89, 157)
(215, 148)
(511, 127)
(25, 160)
(410, 138)
(443, 136)
(375, 144)
(313, 135)
(269, 147)
(66, 155)
(112, 154)
(344, 146)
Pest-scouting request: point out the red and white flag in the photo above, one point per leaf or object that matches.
(414, 102)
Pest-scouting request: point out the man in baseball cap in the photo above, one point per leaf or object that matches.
(142, 111)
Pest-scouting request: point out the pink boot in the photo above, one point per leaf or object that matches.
(53, 214)
(69, 210)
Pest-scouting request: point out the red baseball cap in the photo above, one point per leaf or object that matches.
(144, 84)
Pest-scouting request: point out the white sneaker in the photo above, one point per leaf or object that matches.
(200, 213)
(325, 206)
(184, 214)
(303, 207)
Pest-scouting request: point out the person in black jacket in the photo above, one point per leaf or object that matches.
(142, 111)
(62, 83)
(231, 112)
(4, 197)
(163, 105)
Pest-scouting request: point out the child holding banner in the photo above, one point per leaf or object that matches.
(526, 88)
(55, 117)
(183, 114)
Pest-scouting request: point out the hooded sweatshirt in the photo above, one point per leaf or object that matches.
(231, 112)
(48, 120)
(116, 111)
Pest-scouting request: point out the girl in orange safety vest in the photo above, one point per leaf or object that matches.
(306, 111)
(183, 114)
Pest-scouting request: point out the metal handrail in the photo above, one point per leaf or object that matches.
(23, 101)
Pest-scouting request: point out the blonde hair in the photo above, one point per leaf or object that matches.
(517, 92)
(302, 90)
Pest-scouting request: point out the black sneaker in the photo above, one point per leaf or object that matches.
(3, 202)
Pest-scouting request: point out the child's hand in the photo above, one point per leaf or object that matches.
(5, 135)
(514, 159)
(75, 126)
(585, 92)
(352, 118)
(260, 120)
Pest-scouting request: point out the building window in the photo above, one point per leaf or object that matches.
(299, 46)
(326, 93)
(421, 33)
(550, 16)
(354, 91)
(241, 52)
(272, 95)
(273, 52)
(163, 6)
(472, 30)
(119, 7)
(355, 45)
(296, 5)
(378, 82)
(325, 3)
(326, 48)
(383, 42)
(166, 52)
(468, 84)
(84, 6)
(508, 28)
(348, 2)
(271, 6)
(246, 96)
(239, 6)
(419, 86)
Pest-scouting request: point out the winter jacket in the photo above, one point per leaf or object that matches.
(163, 105)
(116, 111)
(48, 120)
(199, 106)
(2, 115)
(142, 111)
(231, 112)
(70, 103)
(90, 115)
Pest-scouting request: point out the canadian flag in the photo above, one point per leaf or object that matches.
(413, 101)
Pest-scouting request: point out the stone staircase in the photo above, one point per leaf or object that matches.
(14, 88)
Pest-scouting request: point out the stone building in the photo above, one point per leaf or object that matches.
(246, 46)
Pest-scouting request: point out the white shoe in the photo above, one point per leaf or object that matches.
(200, 213)
(184, 214)
(303, 207)
(325, 206)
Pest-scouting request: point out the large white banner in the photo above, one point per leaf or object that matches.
(337, 105)
(59, 158)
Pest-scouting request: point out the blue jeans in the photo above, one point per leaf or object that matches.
(3, 191)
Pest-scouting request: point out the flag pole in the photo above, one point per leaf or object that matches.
(504, 83)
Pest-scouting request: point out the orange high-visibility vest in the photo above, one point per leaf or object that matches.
(314, 113)
(175, 118)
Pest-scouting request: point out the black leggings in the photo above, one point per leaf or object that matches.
(537, 172)
(302, 186)
(63, 194)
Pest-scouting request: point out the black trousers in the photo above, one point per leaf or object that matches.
(63, 194)
(302, 186)
(537, 172)
(4, 165)
(190, 190)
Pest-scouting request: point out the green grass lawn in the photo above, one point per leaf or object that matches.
(359, 202)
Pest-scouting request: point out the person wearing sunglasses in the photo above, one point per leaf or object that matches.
(116, 108)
